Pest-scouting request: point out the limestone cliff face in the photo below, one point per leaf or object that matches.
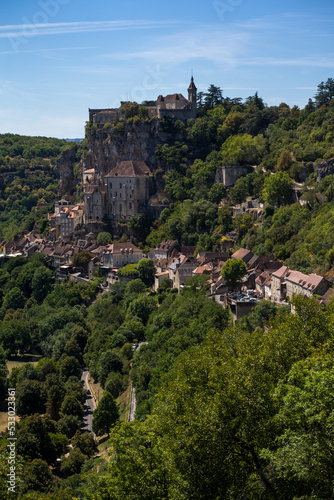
(68, 178)
(108, 147)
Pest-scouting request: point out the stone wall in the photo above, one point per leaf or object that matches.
(228, 174)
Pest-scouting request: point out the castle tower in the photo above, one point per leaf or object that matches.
(192, 95)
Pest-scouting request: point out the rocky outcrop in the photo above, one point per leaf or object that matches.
(69, 178)
(109, 146)
(325, 168)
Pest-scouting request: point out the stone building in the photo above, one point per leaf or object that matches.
(164, 250)
(263, 285)
(306, 285)
(120, 254)
(243, 254)
(125, 192)
(65, 218)
(95, 202)
(278, 290)
(285, 283)
(118, 186)
(173, 105)
(102, 116)
(128, 188)
(177, 106)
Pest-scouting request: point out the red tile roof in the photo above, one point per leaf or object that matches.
(243, 254)
(119, 247)
(281, 272)
(309, 281)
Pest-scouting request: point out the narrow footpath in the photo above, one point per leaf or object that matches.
(132, 405)
(89, 405)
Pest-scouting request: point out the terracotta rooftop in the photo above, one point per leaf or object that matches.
(122, 247)
(309, 281)
(281, 272)
(264, 278)
(204, 269)
(130, 169)
(243, 254)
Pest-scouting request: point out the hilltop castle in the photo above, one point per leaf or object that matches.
(124, 191)
(173, 105)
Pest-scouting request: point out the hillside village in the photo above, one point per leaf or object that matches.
(266, 277)
(167, 250)
(125, 190)
(174, 268)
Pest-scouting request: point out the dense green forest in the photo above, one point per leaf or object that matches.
(224, 412)
(28, 178)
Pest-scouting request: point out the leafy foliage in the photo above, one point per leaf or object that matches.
(105, 415)
(28, 179)
(233, 272)
(239, 415)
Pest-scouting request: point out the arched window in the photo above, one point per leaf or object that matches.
(120, 208)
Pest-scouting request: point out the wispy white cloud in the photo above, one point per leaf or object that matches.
(218, 46)
(304, 88)
(30, 30)
(45, 51)
(315, 61)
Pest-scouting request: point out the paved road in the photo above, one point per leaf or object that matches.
(132, 406)
(89, 405)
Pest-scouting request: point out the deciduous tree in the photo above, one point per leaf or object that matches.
(233, 272)
(105, 415)
(277, 189)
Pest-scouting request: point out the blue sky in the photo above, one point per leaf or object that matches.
(60, 57)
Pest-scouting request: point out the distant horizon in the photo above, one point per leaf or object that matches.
(62, 57)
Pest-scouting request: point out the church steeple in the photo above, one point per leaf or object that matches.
(192, 90)
(192, 96)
